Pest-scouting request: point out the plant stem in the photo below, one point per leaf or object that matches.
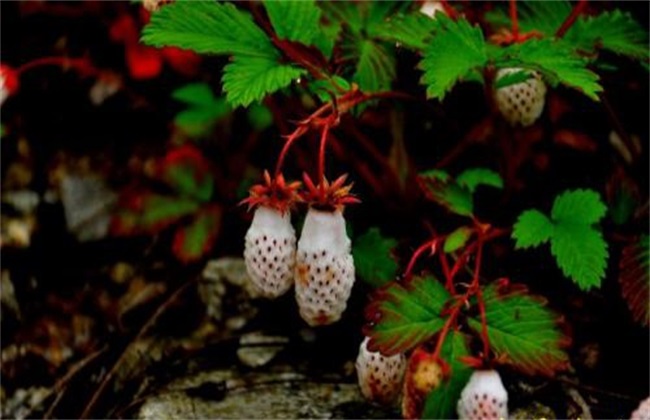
(479, 298)
(514, 20)
(83, 65)
(418, 252)
(321, 155)
(570, 20)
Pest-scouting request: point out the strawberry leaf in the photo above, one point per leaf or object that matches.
(193, 241)
(581, 252)
(402, 316)
(150, 213)
(457, 239)
(207, 27)
(248, 79)
(532, 229)
(634, 278)
(439, 187)
(376, 67)
(544, 17)
(441, 402)
(412, 30)
(455, 52)
(472, 178)
(373, 259)
(521, 327)
(188, 172)
(614, 31)
(578, 207)
(294, 20)
(205, 110)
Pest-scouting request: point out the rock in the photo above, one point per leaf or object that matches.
(228, 395)
(533, 411)
(257, 349)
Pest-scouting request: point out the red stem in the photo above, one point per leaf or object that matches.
(451, 12)
(479, 297)
(514, 20)
(418, 252)
(321, 155)
(449, 280)
(81, 64)
(570, 20)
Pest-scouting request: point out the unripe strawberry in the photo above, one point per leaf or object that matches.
(484, 397)
(423, 375)
(521, 103)
(643, 411)
(270, 251)
(324, 267)
(380, 377)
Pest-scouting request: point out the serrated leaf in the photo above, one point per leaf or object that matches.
(457, 239)
(472, 178)
(558, 62)
(249, 79)
(207, 27)
(578, 206)
(520, 326)
(441, 402)
(581, 252)
(295, 20)
(412, 30)
(403, 316)
(187, 171)
(193, 241)
(615, 31)
(376, 67)
(373, 259)
(455, 198)
(453, 53)
(634, 278)
(513, 78)
(532, 229)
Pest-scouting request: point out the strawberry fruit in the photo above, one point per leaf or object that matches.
(521, 103)
(380, 377)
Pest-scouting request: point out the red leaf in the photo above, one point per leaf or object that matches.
(193, 241)
(143, 62)
(575, 140)
(634, 279)
(124, 29)
(187, 171)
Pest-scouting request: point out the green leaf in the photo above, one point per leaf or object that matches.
(614, 31)
(207, 27)
(373, 259)
(513, 78)
(634, 278)
(295, 20)
(545, 17)
(150, 213)
(376, 67)
(453, 53)
(472, 178)
(188, 172)
(558, 62)
(198, 94)
(457, 239)
(581, 252)
(193, 241)
(520, 326)
(403, 316)
(532, 229)
(260, 117)
(447, 193)
(412, 30)
(441, 402)
(249, 79)
(205, 110)
(579, 207)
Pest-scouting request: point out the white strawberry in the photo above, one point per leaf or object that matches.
(270, 251)
(484, 397)
(324, 267)
(521, 103)
(380, 377)
(643, 411)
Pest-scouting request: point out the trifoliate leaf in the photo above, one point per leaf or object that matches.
(532, 229)
(520, 326)
(402, 316)
(187, 171)
(294, 20)
(249, 79)
(578, 207)
(376, 67)
(614, 31)
(447, 193)
(457, 239)
(207, 27)
(472, 178)
(193, 241)
(373, 259)
(558, 62)
(581, 252)
(441, 402)
(453, 53)
(635, 279)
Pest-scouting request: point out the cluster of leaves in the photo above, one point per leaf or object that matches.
(519, 325)
(306, 38)
(185, 174)
(578, 247)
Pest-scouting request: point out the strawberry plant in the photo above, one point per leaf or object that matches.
(456, 129)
